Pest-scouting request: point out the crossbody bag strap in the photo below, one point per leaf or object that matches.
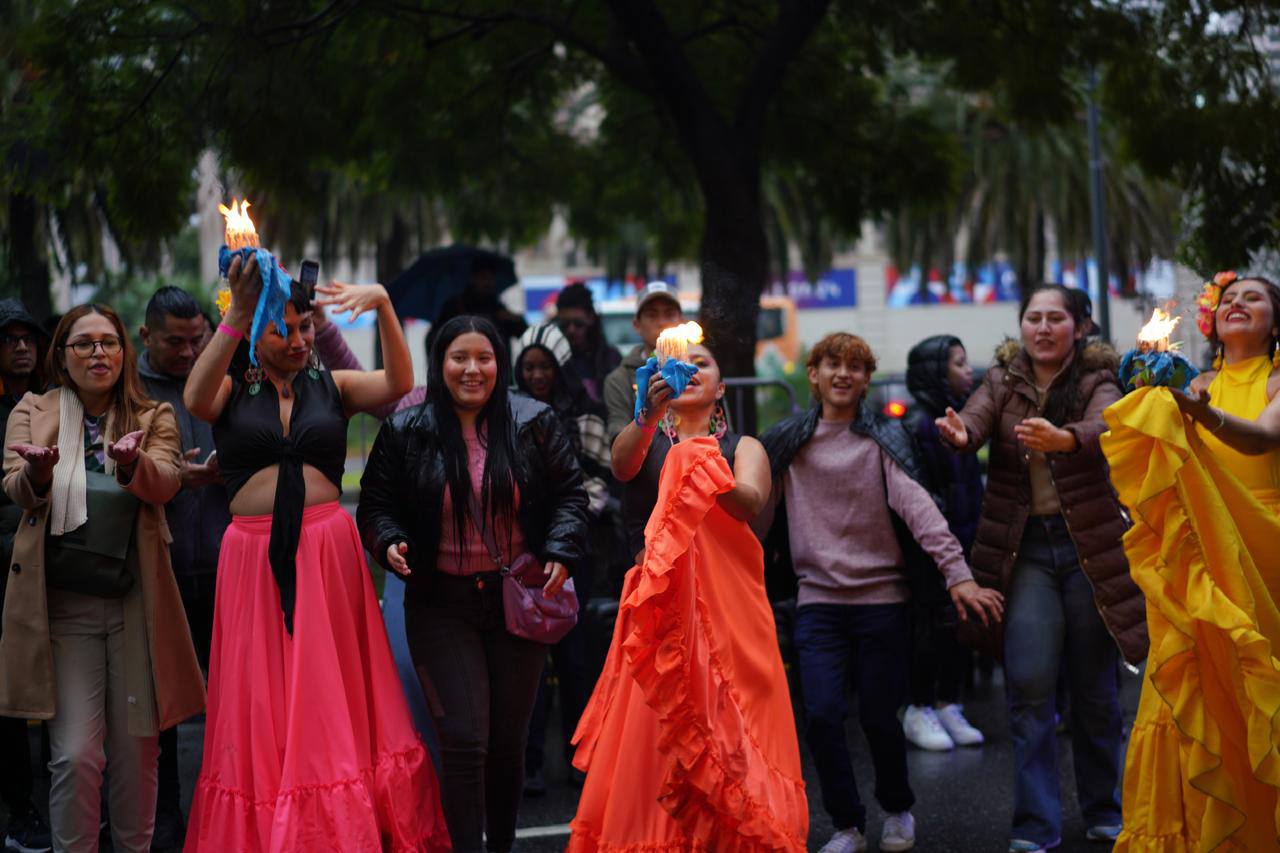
(477, 516)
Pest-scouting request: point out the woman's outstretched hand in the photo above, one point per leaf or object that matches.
(1195, 405)
(1039, 434)
(953, 429)
(40, 461)
(125, 451)
(396, 560)
(354, 298)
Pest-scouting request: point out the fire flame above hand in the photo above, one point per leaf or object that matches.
(240, 232)
(1159, 328)
(675, 342)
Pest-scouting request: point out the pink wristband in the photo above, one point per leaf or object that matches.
(230, 332)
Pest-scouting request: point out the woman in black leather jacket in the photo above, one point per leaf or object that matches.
(469, 438)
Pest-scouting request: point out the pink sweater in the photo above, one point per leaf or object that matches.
(473, 557)
(842, 539)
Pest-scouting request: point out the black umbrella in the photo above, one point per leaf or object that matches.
(443, 274)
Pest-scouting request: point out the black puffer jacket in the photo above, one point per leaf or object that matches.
(402, 490)
(783, 441)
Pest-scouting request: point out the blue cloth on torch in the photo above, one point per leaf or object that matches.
(1167, 369)
(273, 297)
(677, 374)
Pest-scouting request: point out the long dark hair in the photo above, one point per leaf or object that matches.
(493, 428)
(1064, 395)
(1273, 292)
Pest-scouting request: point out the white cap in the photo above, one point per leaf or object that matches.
(656, 290)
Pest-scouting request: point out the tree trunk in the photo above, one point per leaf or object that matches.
(28, 267)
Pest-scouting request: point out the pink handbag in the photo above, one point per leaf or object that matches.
(527, 612)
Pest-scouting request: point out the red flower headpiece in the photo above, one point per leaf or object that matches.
(1207, 302)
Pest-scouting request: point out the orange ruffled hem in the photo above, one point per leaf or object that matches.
(717, 782)
(1203, 767)
(376, 810)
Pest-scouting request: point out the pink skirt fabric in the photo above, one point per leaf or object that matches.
(308, 741)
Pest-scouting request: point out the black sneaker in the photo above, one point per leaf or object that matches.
(535, 784)
(28, 834)
(170, 832)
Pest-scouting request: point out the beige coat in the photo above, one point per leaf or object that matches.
(162, 676)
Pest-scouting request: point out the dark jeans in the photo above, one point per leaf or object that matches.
(867, 644)
(480, 683)
(569, 663)
(939, 663)
(197, 600)
(1050, 618)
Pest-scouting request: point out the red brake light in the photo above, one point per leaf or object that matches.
(895, 408)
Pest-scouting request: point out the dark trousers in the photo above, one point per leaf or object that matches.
(480, 682)
(15, 751)
(939, 663)
(866, 644)
(1051, 619)
(568, 661)
(197, 600)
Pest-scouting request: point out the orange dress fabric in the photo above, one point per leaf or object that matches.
(689, 740)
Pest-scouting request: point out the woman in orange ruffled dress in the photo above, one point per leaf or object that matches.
(689, 740)
(1200, 473)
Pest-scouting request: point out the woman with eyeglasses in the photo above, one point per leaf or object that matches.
(94, 637)
(308, 741)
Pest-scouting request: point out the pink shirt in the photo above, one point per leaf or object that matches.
(473, 557)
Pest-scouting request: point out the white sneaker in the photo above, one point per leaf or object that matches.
(899, 832)
(920, 725)
(961, 730)
(846, 841)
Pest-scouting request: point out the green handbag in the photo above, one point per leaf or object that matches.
(92, 559)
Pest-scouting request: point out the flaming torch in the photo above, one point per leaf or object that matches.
(1155, 361)
(674, 343)
(240, 239)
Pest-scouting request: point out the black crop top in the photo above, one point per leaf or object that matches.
(249, 437)
(640, 493)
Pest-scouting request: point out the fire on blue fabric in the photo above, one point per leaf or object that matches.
(676, 373)
(1140, 369)
(273, 297)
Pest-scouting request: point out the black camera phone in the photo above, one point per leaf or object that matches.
(308, 277)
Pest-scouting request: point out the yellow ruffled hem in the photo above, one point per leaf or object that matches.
(1203, 768)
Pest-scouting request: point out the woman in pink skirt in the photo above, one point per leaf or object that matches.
(308, 741)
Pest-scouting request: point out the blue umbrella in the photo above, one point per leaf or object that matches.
(442, 274)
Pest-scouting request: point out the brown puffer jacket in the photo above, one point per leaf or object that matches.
(1094, 516)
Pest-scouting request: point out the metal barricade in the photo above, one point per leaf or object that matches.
(740, 391)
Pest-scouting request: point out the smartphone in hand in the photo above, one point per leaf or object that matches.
(308, 276)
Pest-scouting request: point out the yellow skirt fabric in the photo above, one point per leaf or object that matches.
(1203, 766)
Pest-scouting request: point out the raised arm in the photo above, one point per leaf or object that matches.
(364, 391)
(751, 485)
(632, 444)
(208, 385)
(969, 429)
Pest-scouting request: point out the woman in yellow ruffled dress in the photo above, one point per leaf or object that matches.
(1200, 474)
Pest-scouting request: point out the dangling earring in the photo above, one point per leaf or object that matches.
(1275, 355)
(719, 422)
(669, 423)
(313, 364)
(253, 377)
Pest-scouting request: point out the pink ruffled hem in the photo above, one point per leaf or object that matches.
(382, 808)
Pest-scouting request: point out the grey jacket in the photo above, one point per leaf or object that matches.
(198, 518)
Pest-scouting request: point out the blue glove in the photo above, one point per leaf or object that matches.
(676, 373)
(274, 296)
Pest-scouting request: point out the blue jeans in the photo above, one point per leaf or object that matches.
(1051, 618)
(867, 644)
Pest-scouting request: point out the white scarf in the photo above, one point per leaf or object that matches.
(69, 492)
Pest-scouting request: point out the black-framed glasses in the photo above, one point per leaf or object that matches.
(84, 349)
(14, 341)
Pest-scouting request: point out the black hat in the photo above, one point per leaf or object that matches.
(13, 311)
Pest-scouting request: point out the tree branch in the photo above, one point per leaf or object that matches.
(795, 23)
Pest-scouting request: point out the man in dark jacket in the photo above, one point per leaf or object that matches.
(198, 516)
(23, 345)
(851, 486)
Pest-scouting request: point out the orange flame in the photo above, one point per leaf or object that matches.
(1159, 329)
(240, 232)
(675, 342)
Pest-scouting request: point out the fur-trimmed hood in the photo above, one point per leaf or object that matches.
(1098, 355)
